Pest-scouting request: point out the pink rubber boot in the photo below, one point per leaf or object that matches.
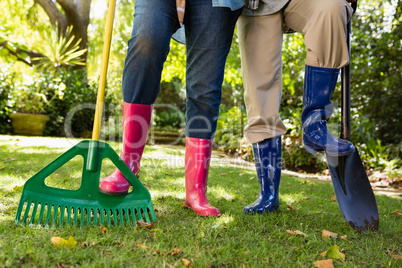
(136, 119)
(198, 156)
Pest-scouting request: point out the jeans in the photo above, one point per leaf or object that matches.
(209, 32)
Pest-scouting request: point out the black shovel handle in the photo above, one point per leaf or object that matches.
(345, 78)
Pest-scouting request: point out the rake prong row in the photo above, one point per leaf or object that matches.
(57, 215)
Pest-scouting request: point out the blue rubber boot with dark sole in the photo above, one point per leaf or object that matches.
(267, 156)
(319, 83)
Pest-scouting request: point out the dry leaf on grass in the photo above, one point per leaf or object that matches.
(328, 234)
(146, 225)
(186, 262)
(104, 230)
(296, 232)
(60, 242)
(333, 198)
(290, 207)
(396, 212)
(324, 264)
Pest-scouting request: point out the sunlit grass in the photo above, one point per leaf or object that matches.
(232, 240)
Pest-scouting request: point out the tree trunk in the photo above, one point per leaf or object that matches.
(76, 15)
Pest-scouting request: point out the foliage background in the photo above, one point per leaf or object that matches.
(376, 80)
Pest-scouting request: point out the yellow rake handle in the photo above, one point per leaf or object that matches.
(104, 64)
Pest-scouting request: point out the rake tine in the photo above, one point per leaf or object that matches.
(108, 218)
(115, 218)
(89, 220)
(82, 221)
(102, 218)
(42, 210)
(48, 212)
(55, 214)
(33, 214)
(127, 214)
(96, 217)
(62, 210)
(121, 216)
(133, 217)
(68, 215)
(147, 216)
(24, 219)
(19, 211)
(139, 214)
(75, 217)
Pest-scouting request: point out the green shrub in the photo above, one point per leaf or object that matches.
(77, 105)
(5, 100)
(229, 129)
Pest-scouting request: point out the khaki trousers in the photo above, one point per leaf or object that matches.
(324, 24)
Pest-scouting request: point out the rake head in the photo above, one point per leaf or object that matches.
(41, 205)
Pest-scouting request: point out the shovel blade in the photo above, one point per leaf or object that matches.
(353, 191)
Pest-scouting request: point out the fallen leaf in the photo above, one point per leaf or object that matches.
(186, 262)
(10, 159)
(288, 184)
(146, 225)
(344, 237)
(333, 198)
(155, 230)
(223, 174)
(104, 230)
(241, 174)
(324, 264)
(306, 198)
(333, 253)
(60, 242)
(396, 257)
(176, 251)
(290, 207)
(296, 232)
(396, 212)
(2, 167)
(328, 234)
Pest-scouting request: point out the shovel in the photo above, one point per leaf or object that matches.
(352, 187)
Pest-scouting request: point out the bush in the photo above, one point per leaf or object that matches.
(229, 130)
(77, 105)
(5, 101)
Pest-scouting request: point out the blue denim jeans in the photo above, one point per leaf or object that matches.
(209, 32)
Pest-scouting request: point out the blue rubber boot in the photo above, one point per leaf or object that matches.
(319, 83)
(267, 156)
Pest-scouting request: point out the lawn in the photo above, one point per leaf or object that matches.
(290, 237)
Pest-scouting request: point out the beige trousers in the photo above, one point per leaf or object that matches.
(324, 24)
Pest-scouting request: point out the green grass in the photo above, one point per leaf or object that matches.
(233, 240)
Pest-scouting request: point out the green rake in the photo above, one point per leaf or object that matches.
(41, 205)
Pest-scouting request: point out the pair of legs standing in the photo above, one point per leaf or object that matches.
(324, 25)
(209, 32)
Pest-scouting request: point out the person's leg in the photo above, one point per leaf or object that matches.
(261, 51)
(260, 39)
(209, 32)
(324, 25)
(154, 24)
